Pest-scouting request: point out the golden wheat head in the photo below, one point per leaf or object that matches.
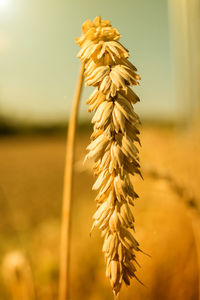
(112, 144)
(17, 275)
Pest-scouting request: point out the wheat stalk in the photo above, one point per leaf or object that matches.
(113, 146)
(63, 292)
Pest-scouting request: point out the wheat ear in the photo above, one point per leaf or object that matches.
(112, 144)
(18, 277)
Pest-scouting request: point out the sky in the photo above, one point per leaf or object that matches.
(39, 67)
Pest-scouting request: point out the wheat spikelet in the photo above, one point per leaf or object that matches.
(112, 144)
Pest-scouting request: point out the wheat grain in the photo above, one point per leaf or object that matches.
(113, 146)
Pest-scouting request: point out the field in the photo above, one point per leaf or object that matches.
(167, 215)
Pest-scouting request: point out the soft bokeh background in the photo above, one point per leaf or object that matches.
(38, 55)
(38, 73)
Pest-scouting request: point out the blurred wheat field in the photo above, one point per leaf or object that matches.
(166, 224)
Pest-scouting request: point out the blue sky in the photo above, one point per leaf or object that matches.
(38, 60)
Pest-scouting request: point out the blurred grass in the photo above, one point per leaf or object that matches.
(31, 180)
(17, 127)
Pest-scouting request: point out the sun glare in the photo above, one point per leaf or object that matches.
(3, 3)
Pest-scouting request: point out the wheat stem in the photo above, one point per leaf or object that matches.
(67, 195)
